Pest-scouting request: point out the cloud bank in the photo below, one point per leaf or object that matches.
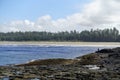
(96, 14)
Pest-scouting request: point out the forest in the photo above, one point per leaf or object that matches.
(98, 35)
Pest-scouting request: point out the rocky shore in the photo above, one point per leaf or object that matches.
(101, 65)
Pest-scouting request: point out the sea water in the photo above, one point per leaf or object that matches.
(17, 54)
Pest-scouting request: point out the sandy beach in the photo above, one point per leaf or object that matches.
(43, 43)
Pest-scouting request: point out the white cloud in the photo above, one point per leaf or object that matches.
(102, 12)
(97, 14)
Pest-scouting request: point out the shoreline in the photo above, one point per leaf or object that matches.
(100, 65)
(51, 43)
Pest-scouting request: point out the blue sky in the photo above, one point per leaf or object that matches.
(58, 15)
(32, 9)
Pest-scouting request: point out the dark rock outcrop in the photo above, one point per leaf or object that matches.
(105, 51)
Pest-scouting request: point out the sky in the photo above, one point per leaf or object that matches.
(58, 15)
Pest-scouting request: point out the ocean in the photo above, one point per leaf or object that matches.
(17, 54)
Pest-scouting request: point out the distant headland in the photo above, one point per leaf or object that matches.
(98, 35)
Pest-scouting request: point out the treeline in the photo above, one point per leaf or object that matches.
(109, 35)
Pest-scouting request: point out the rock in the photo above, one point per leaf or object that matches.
(105, 51)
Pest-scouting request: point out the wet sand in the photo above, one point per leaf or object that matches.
(43, 43)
